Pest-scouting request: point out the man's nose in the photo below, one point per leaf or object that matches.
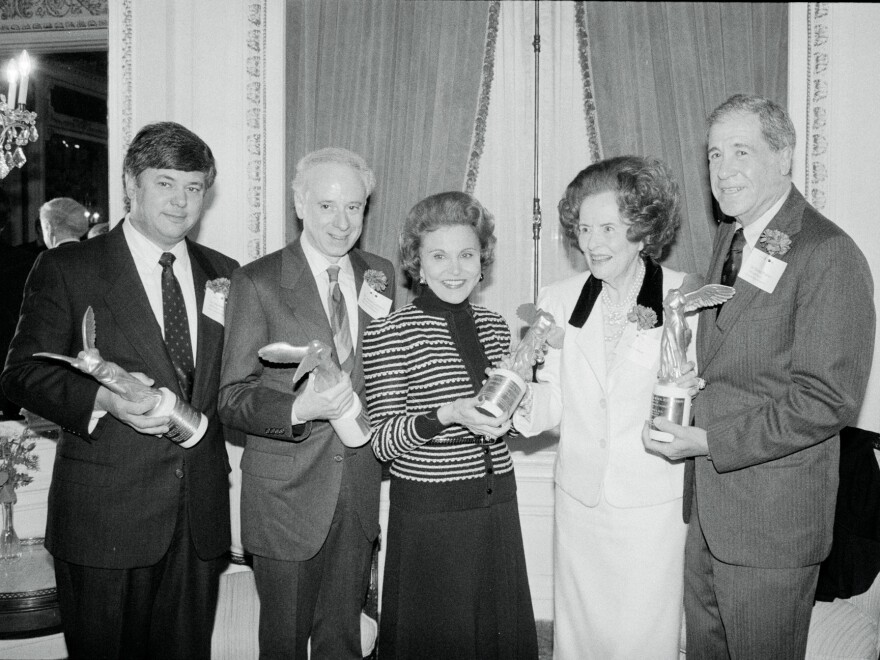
(178, 197)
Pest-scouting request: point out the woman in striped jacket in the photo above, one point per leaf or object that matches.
(455, 581)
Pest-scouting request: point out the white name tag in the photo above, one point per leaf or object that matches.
(645, 349)
(762, 270)
(373, 302)
(214, 306)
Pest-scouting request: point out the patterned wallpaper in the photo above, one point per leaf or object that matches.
(18, 16)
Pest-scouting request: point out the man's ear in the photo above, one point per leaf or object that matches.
(130, 185)
(299, 202)
(785, 161)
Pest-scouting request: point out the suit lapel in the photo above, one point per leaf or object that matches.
(788, 220)
(128, 304)
(301, 294)
(209, 333)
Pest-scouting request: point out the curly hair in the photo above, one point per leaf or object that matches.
(445, 210)
(647, 198)
(776, 126)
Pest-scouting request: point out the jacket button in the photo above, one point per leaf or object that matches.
(337, 458)
(178, 473)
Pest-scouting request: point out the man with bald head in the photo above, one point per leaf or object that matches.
(309, 504)
(63, 220)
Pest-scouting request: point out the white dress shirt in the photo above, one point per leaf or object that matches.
(146, 259)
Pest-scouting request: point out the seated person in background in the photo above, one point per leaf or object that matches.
(619, 535)
(63, 220)
(455, 581)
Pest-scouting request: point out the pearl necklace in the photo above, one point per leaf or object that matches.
(616, 315)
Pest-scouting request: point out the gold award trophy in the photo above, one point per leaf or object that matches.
(187, 425)
(670, 400)
(501, 394)
(353, 428)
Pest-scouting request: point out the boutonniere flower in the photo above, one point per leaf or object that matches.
(376, 279)
(644, 317)
(220, 286)
(775, 242)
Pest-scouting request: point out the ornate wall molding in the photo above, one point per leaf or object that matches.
(125, 85)
(818, 104)
(46, 25)
(479, 135)
(583, 39)
(255, 119)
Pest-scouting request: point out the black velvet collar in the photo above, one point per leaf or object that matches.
(430, 303)
(650, 295)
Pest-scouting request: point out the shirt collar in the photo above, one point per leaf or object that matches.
(146, 253)
(753, 232)
(318, 262)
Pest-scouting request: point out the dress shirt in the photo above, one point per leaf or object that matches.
(318, 264)
(753, 232)
(146, 259)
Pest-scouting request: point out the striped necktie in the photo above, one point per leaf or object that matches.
(339, 322)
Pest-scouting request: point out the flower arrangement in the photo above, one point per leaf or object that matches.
(219, 285)
(644, 317)
(776, 243)
(16, 456)
(376, 279)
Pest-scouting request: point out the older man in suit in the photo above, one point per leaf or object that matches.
(786, 362)
(309, 504)
(63, 220)
(138, 526)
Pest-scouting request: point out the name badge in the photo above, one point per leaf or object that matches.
(762, 270)
(645, 349)
(373, 302)
(214, 306)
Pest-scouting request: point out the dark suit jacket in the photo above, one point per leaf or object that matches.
(15, 264)
(290, 481)
(114, 495)
(786, 371)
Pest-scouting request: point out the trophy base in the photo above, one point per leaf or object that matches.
(670, 402)
(353, 428)
(501, 394)
(187, 425)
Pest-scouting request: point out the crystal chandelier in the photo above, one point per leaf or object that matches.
(18, 124)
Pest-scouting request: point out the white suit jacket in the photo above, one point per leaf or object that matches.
(602, 407)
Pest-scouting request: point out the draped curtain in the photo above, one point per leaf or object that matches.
(395, 81)
(659, 68)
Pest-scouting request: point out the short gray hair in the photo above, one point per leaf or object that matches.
(67, 217)
(776, 126)
(333, 155)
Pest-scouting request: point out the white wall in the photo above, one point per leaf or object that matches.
(834, 92)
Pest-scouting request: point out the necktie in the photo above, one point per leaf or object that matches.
(176, 325)
(339, 322)
(734, 259)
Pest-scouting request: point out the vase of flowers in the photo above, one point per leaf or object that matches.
(16, 456)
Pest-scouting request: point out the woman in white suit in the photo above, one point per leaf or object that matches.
(619, 535)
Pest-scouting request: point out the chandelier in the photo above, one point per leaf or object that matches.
(18, 124)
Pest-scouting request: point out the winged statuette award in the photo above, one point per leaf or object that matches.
(186, 426)
(353, 428)
(669, 400)
(501, 394)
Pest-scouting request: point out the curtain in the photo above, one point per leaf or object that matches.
(395, 81)
(659, 68)
(505, 183)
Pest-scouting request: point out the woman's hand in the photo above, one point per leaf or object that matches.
(464, 412)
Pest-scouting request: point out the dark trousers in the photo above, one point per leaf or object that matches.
(743, 612)
(321, 597)
(164, 611)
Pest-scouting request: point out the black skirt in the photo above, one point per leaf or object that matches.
(455, 583)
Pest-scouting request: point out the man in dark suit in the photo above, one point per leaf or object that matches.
(309, 503)
(138, 526)
(786, 363)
